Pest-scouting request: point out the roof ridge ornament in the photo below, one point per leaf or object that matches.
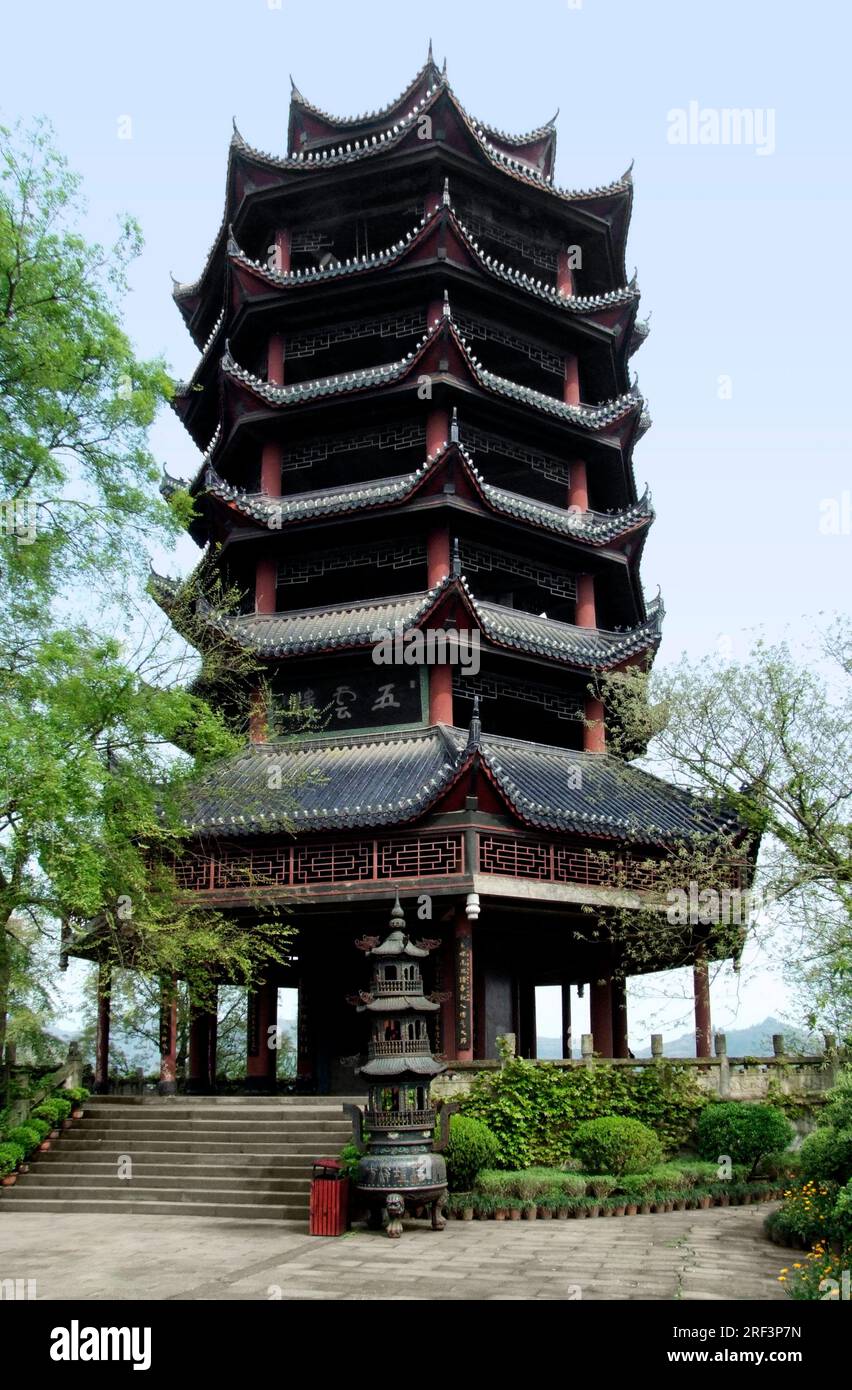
(397, 917)
(446, 194)
(456, 565)
(454, 426)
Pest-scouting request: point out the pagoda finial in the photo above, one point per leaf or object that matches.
(454, 426)
(456, 567)
(397, 917)
(474, 732)
(446, 197)
(430, 61)
(444, 70)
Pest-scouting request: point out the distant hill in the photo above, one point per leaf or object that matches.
(754, 1041)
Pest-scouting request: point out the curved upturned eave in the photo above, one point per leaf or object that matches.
(597, 529)
(617, 195)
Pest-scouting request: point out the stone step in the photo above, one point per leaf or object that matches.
(256, 1163)
(155, 1207)
(328, 1134)
(129, 1192)
(113, 1144)
(310, 1104)
(186, 1180)
(224, 1124)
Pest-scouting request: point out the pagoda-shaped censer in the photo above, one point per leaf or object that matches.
(400, 1165)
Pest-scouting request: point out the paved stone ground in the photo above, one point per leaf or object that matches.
(715, 1254)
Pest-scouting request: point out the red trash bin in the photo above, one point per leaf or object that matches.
(329, 1198)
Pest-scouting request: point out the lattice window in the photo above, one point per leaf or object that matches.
(486, 332)
(390, 326)
(393, 437)
(491, 688)
(310, 240)
(480, 226)
(483, 442)
(402, 556)
(484, 558)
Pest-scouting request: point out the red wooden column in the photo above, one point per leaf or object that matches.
(585, 612)
(437, 556)
(440, 694)
(620, 1046)
(564, 274)
(578, 487)
(437, 429)
(600, 1011)
(571, 392)
(102, 1034)
(594, 729)
(168, 1037)
(265, 585)
(262, 1015)
(464, 986)
(201, 1066)
(701, 990)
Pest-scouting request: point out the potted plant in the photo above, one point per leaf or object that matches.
(529, 1212)
(513, 1208)
(77, 1096)
(11, 1155)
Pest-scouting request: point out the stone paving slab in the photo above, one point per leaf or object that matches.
(715, 1254)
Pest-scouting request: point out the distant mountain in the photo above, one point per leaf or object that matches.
(754, 1041)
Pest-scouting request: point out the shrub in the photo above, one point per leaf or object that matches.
(349, 1157)
(616, 1144)
(26, 1135)
(533, 1109)
(806, 1214)
(826, 1155)
(11, 1155)
(842, 1216)
(76, 1093)
(838, 1112)
(745, 1132)
(470, 1148)
(530, 1183)
(54, 1110)
(41, 1127)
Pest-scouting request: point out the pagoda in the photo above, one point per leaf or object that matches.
(415, 413)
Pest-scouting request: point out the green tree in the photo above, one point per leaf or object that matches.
(771, 738)
(102, 726)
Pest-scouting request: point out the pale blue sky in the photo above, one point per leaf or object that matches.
(742, 258)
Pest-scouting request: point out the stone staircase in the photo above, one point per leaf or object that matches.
(244, 1157)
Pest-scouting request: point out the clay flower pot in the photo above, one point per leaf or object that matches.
(66, 1124)
(617, 1211)
(594, 1211)
(466, 1213)
(645, 1209)
(9, 1180)
(545, 1213)
(514, 1213)
(77, 1113)
(562, 1214)
(44, 1146)
(631, 1209)
(500, 1214)
(529, 1213)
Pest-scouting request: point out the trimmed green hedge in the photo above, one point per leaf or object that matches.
(533, 1109)
(470, 1148)
(616, 1144)
(744, 1131)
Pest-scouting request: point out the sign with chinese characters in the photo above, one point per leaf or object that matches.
(382, 697)
(464, 982)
